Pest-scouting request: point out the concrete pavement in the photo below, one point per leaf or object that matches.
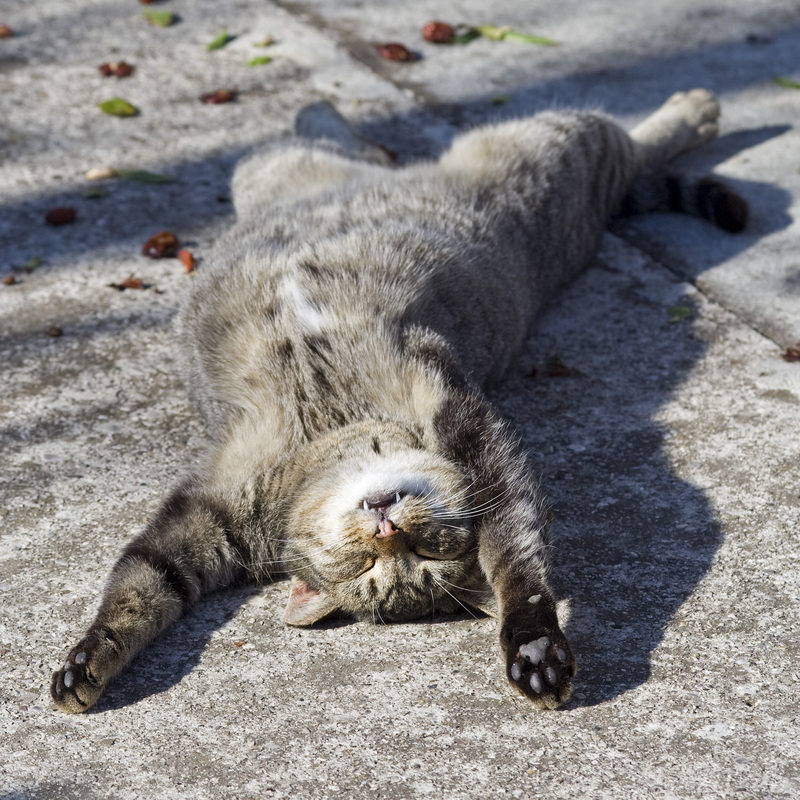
(673, 458)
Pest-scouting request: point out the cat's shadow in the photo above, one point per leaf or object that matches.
(631, 539)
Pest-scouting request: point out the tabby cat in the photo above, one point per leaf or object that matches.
(338, 345)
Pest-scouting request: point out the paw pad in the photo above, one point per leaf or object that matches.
(542, 670)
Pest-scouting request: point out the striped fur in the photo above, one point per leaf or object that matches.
(339, 344)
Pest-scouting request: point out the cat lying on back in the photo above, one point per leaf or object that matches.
(337, 345)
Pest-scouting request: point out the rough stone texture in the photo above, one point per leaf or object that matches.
(672, 459)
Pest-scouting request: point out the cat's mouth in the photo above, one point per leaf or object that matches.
(381, 506)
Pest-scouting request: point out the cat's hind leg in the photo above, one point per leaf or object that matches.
(687, 120)
(327, 151)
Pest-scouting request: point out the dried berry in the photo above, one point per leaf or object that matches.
(438, 33)
(123, 69)
(220, 96)
(130, 282)
(119, 68)
(54, 331)
(6, 32)
(187, 259)
(792, 353)
(393, 51)
(162, 245)
(61, 216)
(556, 368)
(9, 280)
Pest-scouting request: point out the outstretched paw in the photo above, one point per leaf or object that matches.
(78, 685)
(540, 666)
(687, 120)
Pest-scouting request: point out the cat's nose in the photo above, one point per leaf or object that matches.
(381, 505)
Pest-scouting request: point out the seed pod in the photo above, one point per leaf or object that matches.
(161, 245)
(62, 215)
(394, 51)
(438, 33)
(220, 96)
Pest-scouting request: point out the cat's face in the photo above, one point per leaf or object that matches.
(381, 529)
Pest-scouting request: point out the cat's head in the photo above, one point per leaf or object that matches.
(380, 528)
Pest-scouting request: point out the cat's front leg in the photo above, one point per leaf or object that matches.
(190, 548)
(513, 547)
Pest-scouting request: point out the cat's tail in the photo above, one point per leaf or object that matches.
(707, 197)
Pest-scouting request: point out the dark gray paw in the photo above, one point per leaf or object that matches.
(540, 666)
(80, 682)
(543, 670)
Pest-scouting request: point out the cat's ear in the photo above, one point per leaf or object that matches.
(306, 605)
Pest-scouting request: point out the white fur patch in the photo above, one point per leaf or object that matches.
(310, 315)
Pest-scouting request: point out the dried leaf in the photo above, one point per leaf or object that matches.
(187, 259)
(266, 42)
(556, 368)
(792, 353)
(121, 69)
(130, 282)
(54, 331)
(62, 215)
(98, 173)
(220, 96)
(786, 83)
(118, 107)
(438, 33)
(162, 19)
(394, 51)
(679, 313)
(9, 280)
(162, 245)
(258, 61)
(220, 41)
(6, 32)
(143, 176)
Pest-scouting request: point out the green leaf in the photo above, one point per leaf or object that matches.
(31, 264)
(163, 19)
(143, 176)
(786, 83)
(220, 41)
(513, 36)
(492, 32)
(501, 99)
(118, 107)
(256, 62)
(470, 35)
(95, 192)
(679, 313)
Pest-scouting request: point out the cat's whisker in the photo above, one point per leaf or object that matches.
(460, 588)
(438, 583)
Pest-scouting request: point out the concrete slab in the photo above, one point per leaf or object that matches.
(673, 458)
